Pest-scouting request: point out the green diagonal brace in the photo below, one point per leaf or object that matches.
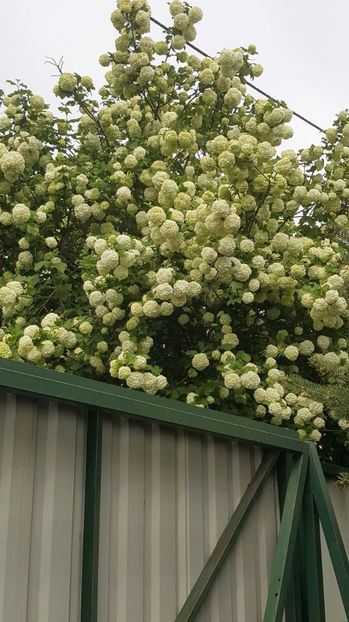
(293, 601)
(224, 544)
(286, 542)
(89, 587)
(312, 564)
(330, 527)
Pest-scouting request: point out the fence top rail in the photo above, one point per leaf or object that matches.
(41, 382)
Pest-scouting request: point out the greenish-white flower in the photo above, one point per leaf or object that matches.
(250, 380)
(200, 361)
(5, 350)
(67, 82)
(291, 353)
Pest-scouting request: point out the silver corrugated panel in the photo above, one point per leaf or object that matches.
(334, 607)
(42, 448)
(166, 497)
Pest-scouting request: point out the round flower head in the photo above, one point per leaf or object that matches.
(12, 165)
(134, 380)
(85, 328)
(20, 213)
(31, 330)
(164, 275)
(176, 7)
(257, 70)
(291, 352)
(247, 297)
(49, 320)
(5, 350)
(200, 361)
(47, 348)
(232, 381)
(306, 347)
(193, 289)
(181, 21)
(323, 342)
(51, 242)
(67, 82)
(124, 194)
(151, 309)
(195, 14)
(7, 296)
(250, 380)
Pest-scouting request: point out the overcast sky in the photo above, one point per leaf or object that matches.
(303, 46)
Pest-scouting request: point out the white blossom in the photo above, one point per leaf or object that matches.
(200, 361)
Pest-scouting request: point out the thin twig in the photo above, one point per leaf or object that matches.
(79, 100)
(262, 201)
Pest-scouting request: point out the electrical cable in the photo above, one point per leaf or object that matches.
(155, 21)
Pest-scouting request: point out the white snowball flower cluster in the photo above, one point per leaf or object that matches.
(151, 309)
(12, 165)
(232, 381)
(200, 361)
(291, 353)
(20, 213)
(159, 250)
(67, 82)
(250, 380)
(108, 261)
(13, 298)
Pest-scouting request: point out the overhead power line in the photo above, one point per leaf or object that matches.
(246, 81)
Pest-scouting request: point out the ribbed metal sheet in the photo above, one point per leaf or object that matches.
(333, 604)
(42, 447)
(166, 497)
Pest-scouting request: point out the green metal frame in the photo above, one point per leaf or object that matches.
(296, 582)
(89, 585)
(93, 394)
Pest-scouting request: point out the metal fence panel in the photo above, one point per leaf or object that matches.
(333, 602)
(166, 497)
(42, 447)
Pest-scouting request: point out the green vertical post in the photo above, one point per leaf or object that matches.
(286, 542)
(89, 588)
(330, 527)
(299, 572)
(311, 558)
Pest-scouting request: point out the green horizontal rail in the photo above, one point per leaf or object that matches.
(41, 382)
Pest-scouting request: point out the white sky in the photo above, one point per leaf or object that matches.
(302, 46)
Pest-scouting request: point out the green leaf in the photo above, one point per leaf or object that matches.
(34, 279)
(63, 291)
(243, 356)
(59, 266)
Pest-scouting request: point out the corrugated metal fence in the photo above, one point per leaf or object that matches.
(166, 496)
(42, 447)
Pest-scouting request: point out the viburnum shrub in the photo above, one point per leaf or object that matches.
(156, 240)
